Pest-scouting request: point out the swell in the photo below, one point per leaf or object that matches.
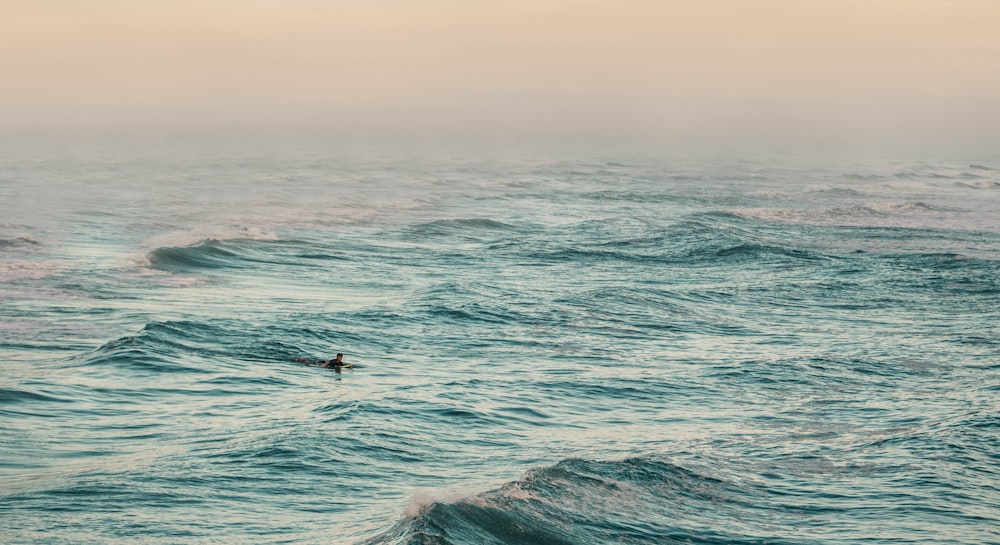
(769, 499)
(703, 239)
(210, 254)
(18, 242)
(11, 396)
(858, 213)
(707, 238)
(582, 502)
(205, 255)
(241, 254)
(189, 346)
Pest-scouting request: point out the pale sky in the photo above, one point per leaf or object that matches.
(657, 73)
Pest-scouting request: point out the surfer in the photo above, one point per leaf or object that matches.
(336, 363)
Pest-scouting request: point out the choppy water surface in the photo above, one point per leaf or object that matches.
(558, 352)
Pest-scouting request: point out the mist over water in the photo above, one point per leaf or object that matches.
(709, 76)
(547, 350)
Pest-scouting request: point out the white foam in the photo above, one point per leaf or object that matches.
(188, 237)
(423, 500)
(516, 491)
(419, 505)
(29, 270)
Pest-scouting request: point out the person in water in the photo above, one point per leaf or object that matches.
(336, 363)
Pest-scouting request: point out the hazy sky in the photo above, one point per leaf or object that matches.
(656, 73)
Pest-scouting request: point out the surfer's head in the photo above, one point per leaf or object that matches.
(339, 358)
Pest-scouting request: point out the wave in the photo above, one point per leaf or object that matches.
(18, 242)
(761, 251)
(215, 233)
(895, 208)
(236, 254)
(837, 192)
(208, 254)
(203, 247)
(925, 173)
(582, 502)
(979, 184)
(884, 209)
(182, 346)
(9, 396)
(631, 196)
(149, 350)
(850, 214)
(704, 239)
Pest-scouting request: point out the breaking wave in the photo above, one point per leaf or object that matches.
(583, 502)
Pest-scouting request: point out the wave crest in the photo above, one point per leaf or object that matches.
(209, 254)
(186, 346)
(215, 233)
(582, 502)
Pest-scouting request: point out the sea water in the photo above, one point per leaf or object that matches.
(548, 351)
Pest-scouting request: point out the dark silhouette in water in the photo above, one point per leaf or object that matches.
(336, 363)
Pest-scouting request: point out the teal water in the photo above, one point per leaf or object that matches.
(547, 351)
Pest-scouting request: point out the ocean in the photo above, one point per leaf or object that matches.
(546, 350)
